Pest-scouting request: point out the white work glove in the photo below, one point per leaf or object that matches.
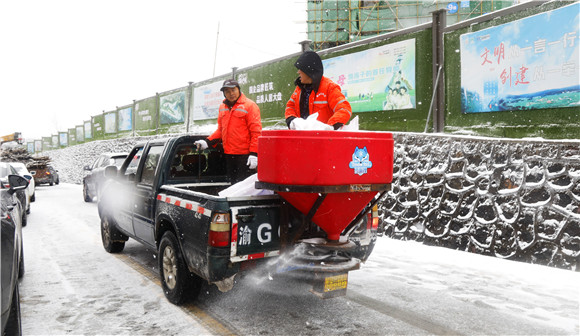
(297, 124)
(252, 162)
(201, 144)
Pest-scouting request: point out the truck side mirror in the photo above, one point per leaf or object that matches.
(17, 182)
(110, 171)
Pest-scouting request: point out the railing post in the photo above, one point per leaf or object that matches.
(439, 23)
(189, 98)
(306, 45)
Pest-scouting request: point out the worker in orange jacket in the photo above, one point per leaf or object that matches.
(315, 93)
(239, 126)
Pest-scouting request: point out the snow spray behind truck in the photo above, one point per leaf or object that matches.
(166, 195)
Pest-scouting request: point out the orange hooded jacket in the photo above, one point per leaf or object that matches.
(238, 127)
(328, 101)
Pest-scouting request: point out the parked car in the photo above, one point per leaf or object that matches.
(43, 173)
(12, 253)
(21, 194)
(94, 181)
(30, 190)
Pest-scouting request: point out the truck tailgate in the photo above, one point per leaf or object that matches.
(255, 232)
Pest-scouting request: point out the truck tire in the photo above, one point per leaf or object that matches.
(21, 263)
(179, 284)
(13, 324)
(86, 195)
(108, 231)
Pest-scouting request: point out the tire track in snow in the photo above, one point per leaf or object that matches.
(196, 312)
(399, 314)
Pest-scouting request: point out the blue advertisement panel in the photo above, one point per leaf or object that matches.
(126, 119)
(63, 139)
(110, 123)
(172, 108)
(207, 100)
(382, 78)
(527, 64)
(30, 147)
(88, 130)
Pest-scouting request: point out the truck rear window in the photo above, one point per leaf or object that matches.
(192, 165)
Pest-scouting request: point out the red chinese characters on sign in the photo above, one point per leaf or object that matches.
(341, 80)
(520, 76)
(499, 52)
(484, 56)
(513, 76)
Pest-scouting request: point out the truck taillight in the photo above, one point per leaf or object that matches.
(219, 230)
(374, 218)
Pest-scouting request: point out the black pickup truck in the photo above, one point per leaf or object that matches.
(166, 196)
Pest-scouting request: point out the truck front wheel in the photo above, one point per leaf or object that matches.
(107, 233)
(179, 284)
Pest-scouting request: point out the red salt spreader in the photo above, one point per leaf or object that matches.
(330, 177)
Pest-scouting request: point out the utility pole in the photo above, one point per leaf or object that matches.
(216, 47)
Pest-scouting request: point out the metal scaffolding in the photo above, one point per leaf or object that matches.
(336, 22)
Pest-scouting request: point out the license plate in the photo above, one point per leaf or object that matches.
(336, 282)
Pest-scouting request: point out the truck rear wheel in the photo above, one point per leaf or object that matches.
(179, 284)
(86, 196)
(107, 234)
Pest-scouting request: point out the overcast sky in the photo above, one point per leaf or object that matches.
(63, 61)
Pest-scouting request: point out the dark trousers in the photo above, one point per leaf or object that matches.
(237, 167)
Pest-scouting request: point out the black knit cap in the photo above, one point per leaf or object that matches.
(311, 64)
(230, 83)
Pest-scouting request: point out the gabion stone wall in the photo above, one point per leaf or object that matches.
(513, 199)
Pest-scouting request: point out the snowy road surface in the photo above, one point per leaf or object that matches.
(72, 286)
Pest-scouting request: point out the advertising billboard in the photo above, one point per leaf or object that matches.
(531, 63)
(172, 108)
(377, 79)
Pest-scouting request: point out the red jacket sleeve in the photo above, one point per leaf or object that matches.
(217, 134)
(341, 108)
(255, 126)
(292, 106)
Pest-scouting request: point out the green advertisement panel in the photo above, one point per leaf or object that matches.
(54, 141)
(270, 86)
(146, 116)
(72, 136)
(47, 143)
(98, 122)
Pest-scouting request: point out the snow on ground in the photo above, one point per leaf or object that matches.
(72, 286)
(537, 293)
